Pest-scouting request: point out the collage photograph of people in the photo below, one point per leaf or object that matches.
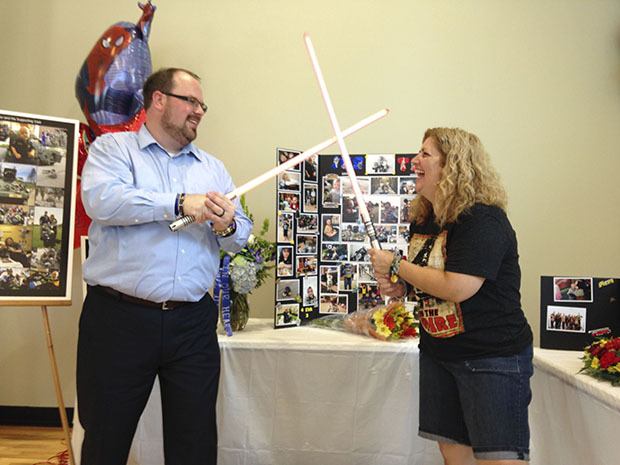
(32, 198)
(322, 245)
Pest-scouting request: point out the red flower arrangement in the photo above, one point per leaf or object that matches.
(601, 359)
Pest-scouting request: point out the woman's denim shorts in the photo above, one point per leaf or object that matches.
(480, 403)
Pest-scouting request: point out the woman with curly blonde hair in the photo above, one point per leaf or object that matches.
(463, 269)
(468, 178)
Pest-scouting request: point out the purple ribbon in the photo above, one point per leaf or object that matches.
(222, 282)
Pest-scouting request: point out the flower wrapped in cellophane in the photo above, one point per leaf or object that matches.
(387, 323)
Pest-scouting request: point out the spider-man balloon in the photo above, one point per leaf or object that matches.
(109, 89)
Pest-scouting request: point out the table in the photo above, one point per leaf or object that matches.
(574, 418)
(304, 395)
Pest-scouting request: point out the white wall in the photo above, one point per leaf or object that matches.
(537, 80)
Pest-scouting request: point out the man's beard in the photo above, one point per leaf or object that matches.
(181, 133)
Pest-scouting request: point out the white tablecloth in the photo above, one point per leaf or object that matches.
(574, 418)
(306, 396)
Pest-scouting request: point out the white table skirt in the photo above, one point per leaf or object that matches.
(306, 396)
(574, 418)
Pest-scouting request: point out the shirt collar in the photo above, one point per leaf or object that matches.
(146, 139)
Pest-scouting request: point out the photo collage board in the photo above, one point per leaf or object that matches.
(322, 262)
(574, 306)
(37, 179)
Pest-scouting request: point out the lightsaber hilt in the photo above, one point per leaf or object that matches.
(189, 219)
(372, 234)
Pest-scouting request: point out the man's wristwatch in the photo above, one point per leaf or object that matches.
(178, 205)
(229, 231)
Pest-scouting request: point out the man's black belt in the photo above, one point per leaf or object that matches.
(167, 305)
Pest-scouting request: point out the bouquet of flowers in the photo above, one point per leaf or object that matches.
(246, 270)
(391, 323)
(601, 359)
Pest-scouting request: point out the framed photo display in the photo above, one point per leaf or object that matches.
(37, 197)
(323, 265)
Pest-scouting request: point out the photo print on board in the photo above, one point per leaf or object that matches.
(404, 165)
(331, 191)
(366, 273)
(350, 210)
(288, 202)
(380, 164)
(347, 187)
(311, 169)
(285, 227)
(389, 210)
(306, 266)
(329, 279)
(330, 228)
(49, 196)
(568, 319)
(334, 252)
(372, 205)
(384, 185)
(284, 260)
(308, 223)
(334, 304)
(359, 252)
(306, 244)
(289, 181)
(287, 289)
(348, 277)
(569, 289)
(353, 232)
(310, 195)
(310, 292)
(368, 295)
(403, 234)
(336, 164)
(387, 233)
(405, 205)
(287, 315)
(406, 185)
(286, 155)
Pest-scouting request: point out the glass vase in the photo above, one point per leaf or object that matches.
(239, 311)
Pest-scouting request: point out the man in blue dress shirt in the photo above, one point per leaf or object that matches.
(148, 312)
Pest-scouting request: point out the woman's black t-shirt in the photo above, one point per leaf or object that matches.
(491, 322)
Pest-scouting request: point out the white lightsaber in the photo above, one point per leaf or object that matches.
(346, 158)
(187, 220)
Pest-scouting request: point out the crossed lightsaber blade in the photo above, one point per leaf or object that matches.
(339, 137)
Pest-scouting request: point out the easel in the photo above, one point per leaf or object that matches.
(54, 367)
(56, 379)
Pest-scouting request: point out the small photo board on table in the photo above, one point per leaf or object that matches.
(573, 306)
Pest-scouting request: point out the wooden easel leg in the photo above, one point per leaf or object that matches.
(56, 378)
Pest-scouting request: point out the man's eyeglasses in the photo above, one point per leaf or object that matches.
(193, 101)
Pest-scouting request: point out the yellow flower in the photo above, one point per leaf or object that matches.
(595, 364)
(614, 369)
(377, 317)
(384, 331)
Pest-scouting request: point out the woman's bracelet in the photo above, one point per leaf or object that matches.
(395, 266)
(408, 288)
